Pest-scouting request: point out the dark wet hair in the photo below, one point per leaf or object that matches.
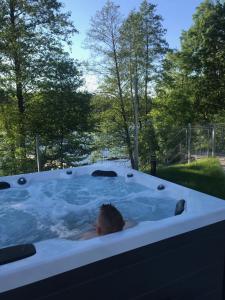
(111, 219)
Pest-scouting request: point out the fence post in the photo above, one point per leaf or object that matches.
(37, 153)
(213, 141)
(189, 142)
(208, 143)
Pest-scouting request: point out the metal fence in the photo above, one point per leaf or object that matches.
(195, 141)
(181, 145)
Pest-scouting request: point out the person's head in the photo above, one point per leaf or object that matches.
(109, 220)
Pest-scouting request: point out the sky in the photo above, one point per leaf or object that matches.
(177, 15)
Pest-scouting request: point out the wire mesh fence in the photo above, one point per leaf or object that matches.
(17, 155)
(39, 154)
(193, 142)
(174, 148)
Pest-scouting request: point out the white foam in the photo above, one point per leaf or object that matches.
(64, 208)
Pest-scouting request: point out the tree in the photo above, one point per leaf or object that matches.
(143, 45)
(131, 42)
(131, 68)
(103, 38)
(59, 113)
(191, 88)
(154, 48)
(173, 105)
(202, 57)
(30, 32)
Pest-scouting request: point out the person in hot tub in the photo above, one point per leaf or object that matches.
(109, 220)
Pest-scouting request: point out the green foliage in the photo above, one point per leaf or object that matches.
(60, 114)
(14, 158)
(191, 88)
(173, 107)
(39, 88)
(202, 56)
(61, 120)
(144, 97)
(31, 32)
(106, 115)
(149, 145)
(131, 50)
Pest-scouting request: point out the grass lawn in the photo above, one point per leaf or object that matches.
(205, 175)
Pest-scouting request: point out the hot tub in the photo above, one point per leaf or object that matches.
(163, 257)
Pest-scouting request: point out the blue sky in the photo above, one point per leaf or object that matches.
(177, 15)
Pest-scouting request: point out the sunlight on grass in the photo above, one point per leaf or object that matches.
(205, 175)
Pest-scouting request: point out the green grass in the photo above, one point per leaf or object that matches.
(205, 175)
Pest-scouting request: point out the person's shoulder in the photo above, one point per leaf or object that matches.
(129, 224)
(88, 235)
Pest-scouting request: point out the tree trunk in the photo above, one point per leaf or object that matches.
(17, 64)
(122, 106)
(147, 105)
(136, 123)
(19, 87)
(61, 151)
(135, 105)
(19, 91)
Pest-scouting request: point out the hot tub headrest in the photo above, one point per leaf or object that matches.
(4, 185)
(14, 253)
(179, 207)
(104, 173)
(129, 175)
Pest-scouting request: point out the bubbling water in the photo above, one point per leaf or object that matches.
(66, 208)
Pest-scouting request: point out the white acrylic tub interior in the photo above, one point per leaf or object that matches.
(67, 208)
(55, 256)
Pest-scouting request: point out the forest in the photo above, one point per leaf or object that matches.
(147, 91)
